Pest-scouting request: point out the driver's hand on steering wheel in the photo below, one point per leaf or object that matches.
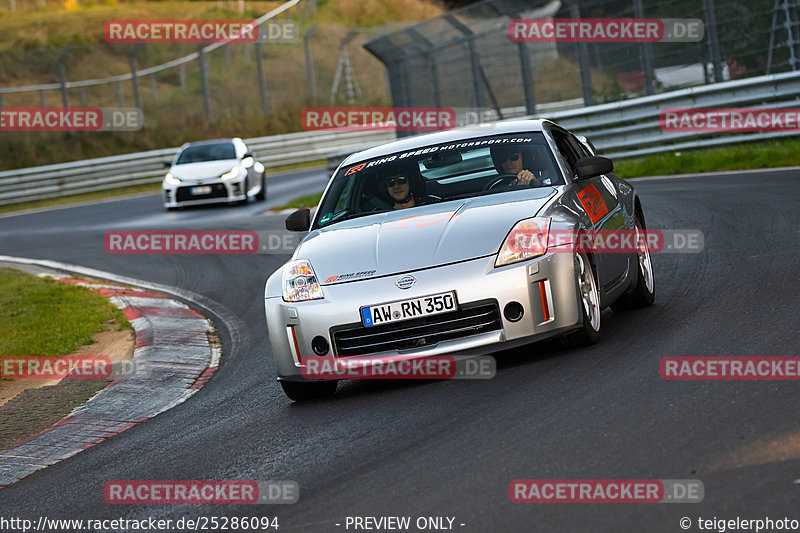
(525, 177)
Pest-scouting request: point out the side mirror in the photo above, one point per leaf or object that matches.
(248, 154)
(167, 164)
(589, 167)
(300, 220)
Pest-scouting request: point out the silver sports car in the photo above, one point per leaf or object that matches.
(453, 243)
(222, 170)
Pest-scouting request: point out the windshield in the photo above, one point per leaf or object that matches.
(207, 152)
(439, 173)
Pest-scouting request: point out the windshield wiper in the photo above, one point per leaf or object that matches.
(468, 195)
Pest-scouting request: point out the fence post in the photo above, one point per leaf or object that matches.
(62, 76)
(469, 38)
(120, 95)
(82, 96)
(645, 51)
(790, 34)
(42, 99)
(182, 75)
(262, 82)
(204, 77)
(524, 61)
(153, 87)
(312, 83)
(134, 79)
(583, 62)
(713, 40)
(792, 6)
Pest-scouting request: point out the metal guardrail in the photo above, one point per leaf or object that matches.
(148, 167)
(631, 128)
(628, 128)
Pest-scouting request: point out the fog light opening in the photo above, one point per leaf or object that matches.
(320, 345)
(513, 311)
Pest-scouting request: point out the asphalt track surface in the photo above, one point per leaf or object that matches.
(450, 448)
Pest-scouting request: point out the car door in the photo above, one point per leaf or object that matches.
(599, 206)
(618, 263)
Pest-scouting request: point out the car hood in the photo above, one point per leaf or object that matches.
(422, 237)
(205, 170)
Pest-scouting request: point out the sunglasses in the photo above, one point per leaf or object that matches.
(401, 180)
(511, 157)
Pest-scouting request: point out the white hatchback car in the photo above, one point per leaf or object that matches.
(222, 170)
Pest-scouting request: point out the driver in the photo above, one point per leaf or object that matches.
(517, 161)
(403, 184)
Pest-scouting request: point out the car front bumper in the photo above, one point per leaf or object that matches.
(221, 191)
(545, 287)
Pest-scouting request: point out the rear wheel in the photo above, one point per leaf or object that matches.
(299, 391)
(644, 292)
(590, 304)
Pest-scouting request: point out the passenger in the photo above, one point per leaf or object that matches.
(518, 161)
(404, 185)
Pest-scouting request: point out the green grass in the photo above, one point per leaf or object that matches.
(770, 154)
(41, 316)
(309, 200)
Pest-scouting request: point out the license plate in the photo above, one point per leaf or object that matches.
(206, 189)
(374, 315)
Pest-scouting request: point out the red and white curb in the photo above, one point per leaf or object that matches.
(176, 352)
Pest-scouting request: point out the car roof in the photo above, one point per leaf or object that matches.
(454, 135)
(210, 141)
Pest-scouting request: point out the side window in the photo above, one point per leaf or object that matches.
(578, 146)
(565, 149)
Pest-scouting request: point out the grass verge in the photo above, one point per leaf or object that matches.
(770, 154)
(42, 316)
(309, 200)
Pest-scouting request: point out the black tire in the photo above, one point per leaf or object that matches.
(299, 391)
(587, 334)
(262, 194)
(643, 293)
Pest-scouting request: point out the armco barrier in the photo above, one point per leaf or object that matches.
(629, 128)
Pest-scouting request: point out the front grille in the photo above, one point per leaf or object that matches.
(470, 319)
(218, 190)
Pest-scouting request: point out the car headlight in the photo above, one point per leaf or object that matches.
(232, 174)
(300, 282)
(526, 240)
(171, 180)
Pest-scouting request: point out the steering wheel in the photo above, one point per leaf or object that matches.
(502, 178)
